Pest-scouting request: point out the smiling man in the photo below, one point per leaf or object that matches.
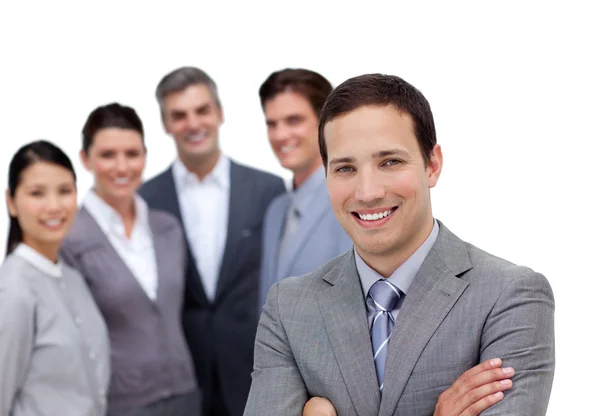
(300, 229)
(221, 205)
(413, 321)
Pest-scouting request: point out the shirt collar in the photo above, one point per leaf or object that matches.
(219, 175)
(303, 197)
(404, 275)
(39, 261)
(109, 219)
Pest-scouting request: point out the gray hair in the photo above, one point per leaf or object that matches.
(180, 79)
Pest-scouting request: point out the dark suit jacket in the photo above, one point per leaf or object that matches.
(221, 334)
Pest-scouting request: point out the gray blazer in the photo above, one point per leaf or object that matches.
(149, 355)
(319, 238)
(463, 307)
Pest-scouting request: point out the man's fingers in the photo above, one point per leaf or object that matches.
(454, 389)
(475, 390)
(479, 399)
(468, 382)
(484, 366)
(479, 406)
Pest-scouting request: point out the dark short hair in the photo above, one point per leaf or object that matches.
(380, 90)
(27, 155)
(182, 78)
(312, 85)
(107, 116)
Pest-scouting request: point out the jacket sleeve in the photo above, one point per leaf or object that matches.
(520, 331)
(277, 386)
(17, 333)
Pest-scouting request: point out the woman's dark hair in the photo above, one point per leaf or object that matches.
(38, 151)
(107, 116)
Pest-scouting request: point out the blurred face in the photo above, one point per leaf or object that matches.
(193, 118)
(293, 132)
(116, 158)
(45, 204)
(378, 182)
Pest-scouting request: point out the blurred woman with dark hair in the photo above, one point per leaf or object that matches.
(134, 261)
(54, 347)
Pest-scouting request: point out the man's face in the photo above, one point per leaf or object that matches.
(193, 118)
(293, 132)
(378, 182)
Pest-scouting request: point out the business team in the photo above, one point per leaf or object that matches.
(356, 277)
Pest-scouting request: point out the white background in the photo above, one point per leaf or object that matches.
(513, 86)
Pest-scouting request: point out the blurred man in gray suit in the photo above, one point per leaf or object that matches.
(221, 205)
(413, 321)
(300, 229)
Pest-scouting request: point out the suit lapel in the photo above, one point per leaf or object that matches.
(240, 197)
(431, 296)
(345, 319)
(306, 227)
(99, 240)
(168, 200)
(162, 250)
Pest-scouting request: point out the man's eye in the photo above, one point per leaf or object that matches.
(344, 169)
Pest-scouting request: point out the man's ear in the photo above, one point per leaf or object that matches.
(165, 124)
(221, 116)
(434, 168)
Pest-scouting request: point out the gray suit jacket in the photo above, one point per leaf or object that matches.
(319, 238)
(464, 306)
(149, 355)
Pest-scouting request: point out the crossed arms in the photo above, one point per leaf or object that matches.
(519, 330)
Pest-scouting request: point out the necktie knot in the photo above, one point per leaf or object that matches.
(385, 295)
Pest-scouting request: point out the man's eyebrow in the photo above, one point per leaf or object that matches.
(339, 160)
(391, 152)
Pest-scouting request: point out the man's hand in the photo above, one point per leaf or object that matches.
(318, 406)
(475, 390)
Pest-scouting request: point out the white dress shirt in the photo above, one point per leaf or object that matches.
(137, 251)
(205, 212)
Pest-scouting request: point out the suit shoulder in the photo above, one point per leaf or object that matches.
(11, 272)
(17, 279)
(493, 267)
(278, 202)
(17, 292)
(154, 184)
(165, 220)
(79, 230)
(315, 280)
(259, 175)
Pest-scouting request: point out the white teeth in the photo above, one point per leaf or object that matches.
(373, 217)
(53, 223)
(286, 149)
(196, 138)
(121, 181)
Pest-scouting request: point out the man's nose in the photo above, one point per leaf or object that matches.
(370, 187)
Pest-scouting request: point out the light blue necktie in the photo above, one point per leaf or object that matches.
(385, 296)
(291, 226)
